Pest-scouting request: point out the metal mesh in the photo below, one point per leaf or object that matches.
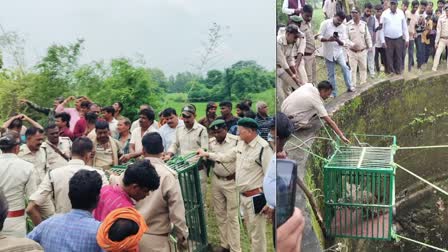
(362, 157)
(359, 187)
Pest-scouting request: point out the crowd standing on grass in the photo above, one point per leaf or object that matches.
(59, 175)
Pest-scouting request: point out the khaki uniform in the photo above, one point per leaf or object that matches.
(54, 159)
(107, 157)
(358, 34)
(285, 59)
(190, 140)
(161, 209)
(441, 40)
(252, 162)
(55, 185)
(225, 195)
(309, 57)
(18, 182)
(38, 159)
(14, 244)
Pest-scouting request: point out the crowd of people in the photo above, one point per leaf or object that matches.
(376, 38)
(59, 175)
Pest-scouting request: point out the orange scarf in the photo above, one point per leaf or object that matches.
(130, 243)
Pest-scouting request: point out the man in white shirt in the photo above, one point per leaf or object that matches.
(333, 35)
(136, 124)
(292, 7)
(330, 8)
(146, 122)
(307, 101)
(109, 116)
(18, 182)
(396, 36)
(168, 130)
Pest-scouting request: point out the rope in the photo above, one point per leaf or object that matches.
(422, 147)
(422, 179)
(398, 237)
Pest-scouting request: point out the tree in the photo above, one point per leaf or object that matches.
(131, 85)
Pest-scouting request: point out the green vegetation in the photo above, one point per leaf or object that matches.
(59, 73)
(176, 101)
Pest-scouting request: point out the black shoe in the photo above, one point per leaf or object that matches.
(221, 249)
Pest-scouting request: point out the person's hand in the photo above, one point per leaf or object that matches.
(297, 11)
(21, 117)
(383, 45)
(343, 138)
(125, 158)
(268, 212)
(295, 79)
(332, 38)
(407, 44)
(23, 101)
(289, 235)
(281, 155)
(182, 243)
(167, 156)
(339, 42)
(202, 153)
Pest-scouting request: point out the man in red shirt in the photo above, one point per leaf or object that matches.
(62, 120)
(81, 124)
(139, 178)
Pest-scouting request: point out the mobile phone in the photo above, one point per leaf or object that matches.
(259, 201)
(286, 190)
(335, 34)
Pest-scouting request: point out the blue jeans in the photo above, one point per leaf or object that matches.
(410, 55)
(421, 52)
(331, 71)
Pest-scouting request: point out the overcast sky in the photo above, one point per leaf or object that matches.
(168, 33)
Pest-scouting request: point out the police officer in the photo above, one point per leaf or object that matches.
(358, 34)
(287, 78)
(58, 149)
(164, 207)
(189, 137)
(225, 196)
(253, 155)
(18, 182)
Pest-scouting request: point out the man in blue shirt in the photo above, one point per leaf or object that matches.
(77, 229)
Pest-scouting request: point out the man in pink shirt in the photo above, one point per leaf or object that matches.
(73, 112)
(139, 179)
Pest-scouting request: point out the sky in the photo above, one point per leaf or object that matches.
(166, 34)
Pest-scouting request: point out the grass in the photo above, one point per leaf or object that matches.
(213, 232)
(175, 100)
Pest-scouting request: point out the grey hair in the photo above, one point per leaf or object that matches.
(260, 104)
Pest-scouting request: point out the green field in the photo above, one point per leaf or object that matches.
(177, 101)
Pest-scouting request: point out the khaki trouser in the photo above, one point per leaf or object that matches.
(440, 47)
(256, 226)
(285, 85)
(225, 204)
(358, 59)
(301, 73)
(310, 67)
(203, 178)
(15, 226)
(155, 243)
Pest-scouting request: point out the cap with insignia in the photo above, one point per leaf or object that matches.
(355, 10)
(217, 124)
(189, 109)
(8, 141)
(248, 123)
(296, 19)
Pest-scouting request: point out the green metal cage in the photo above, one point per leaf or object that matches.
(189, 180)
(359, 188)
